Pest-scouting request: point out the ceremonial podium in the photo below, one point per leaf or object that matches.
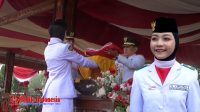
(92, 104)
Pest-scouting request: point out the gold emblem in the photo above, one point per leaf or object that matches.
(125, 39)
(71, 34)
(153, 25)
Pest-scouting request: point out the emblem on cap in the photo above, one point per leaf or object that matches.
(163, 24)
(153, 25)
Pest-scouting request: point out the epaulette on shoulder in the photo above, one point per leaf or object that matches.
(188, 66)
(145, 65)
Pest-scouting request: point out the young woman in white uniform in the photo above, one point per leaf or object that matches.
(59, 58)
(165, 85)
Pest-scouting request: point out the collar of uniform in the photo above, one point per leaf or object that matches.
(54, 40)
(164, 64)
(173, 73)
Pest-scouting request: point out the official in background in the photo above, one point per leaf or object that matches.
(165, 85)
(129, 61)
(59, 58)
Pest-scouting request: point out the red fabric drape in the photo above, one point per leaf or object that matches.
(103, 50)
(23, 73)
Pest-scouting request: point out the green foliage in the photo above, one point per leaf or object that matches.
(34, 89)
(120, 108)
(16, 88)
(30, 108)
(2, 71)
(36, 84)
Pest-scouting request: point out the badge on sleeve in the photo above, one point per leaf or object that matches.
(178, 87)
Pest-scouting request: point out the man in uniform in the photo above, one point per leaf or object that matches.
(129, 61)
(59, 58)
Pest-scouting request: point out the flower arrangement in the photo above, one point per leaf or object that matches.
(34, 89)
(29, 108)
(105, 83)
(108, 87)
(120, 95)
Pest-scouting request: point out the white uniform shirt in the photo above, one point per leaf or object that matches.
(75, 71)
(179, 93)
(59, 65)
(129, 65)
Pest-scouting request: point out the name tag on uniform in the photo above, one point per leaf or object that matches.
(152, 87)
(178, 87)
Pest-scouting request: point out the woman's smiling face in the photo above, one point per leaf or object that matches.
(162, 44)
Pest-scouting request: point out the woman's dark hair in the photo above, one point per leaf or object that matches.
(57, 29)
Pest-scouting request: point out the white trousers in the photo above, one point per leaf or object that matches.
(65, 105)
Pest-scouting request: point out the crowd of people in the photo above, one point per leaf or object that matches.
(165, 85)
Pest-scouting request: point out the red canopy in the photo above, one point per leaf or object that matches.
(101, 21)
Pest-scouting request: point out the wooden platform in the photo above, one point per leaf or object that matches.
(93, 104)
